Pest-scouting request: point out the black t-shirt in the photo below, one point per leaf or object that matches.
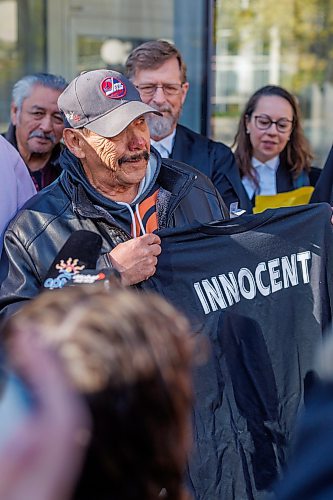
(259, 288)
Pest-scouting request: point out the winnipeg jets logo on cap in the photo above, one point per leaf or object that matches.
(71, 116)
(113, 88)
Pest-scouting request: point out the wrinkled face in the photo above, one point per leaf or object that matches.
(169, 104)
(271, 142)
(123, 159)
(39, 124)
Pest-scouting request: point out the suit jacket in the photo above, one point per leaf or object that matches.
(324, 187)
(286, 182)
(215, 160)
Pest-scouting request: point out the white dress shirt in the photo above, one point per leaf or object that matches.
(266, 175)
(164, 146)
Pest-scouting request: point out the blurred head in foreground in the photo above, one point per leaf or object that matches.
(130, 355)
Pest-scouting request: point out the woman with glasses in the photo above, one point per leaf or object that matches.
(272, 152)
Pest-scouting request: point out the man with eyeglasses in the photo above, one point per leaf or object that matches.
(158, 71)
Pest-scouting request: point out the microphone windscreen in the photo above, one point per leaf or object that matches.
(79, 252)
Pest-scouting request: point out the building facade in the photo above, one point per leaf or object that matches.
(231, 47)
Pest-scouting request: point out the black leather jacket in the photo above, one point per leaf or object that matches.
(41, 228)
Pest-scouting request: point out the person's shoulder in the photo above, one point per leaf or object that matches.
(201, 140)
(13, 168)
(314, 175)
(40, 210)
(51, 197)
(181, 169)
(8, 151)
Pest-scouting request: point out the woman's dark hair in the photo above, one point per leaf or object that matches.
(297, 153)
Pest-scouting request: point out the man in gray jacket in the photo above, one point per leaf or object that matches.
(112, 184)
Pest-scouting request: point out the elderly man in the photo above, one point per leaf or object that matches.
(158, 71)
(37, 125)
(112, 184)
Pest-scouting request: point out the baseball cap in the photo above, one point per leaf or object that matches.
(103, 101)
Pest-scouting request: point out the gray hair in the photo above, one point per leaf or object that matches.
(23, 87)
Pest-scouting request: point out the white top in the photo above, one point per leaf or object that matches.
(266, 175)
(16, 185)
(164, 146)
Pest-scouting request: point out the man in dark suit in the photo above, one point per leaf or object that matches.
(159, 73)
(324, 186)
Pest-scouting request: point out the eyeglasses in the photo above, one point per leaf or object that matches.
(264, 122)
(149, 89)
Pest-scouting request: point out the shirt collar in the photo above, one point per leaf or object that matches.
(273, 163)
(166, 142)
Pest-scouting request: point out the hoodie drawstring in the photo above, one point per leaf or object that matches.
(139, 219)
(133, 217)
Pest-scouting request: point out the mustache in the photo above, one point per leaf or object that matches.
(42, 135)
(163, 108)
(139, 156)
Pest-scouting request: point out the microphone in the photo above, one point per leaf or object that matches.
(107, 275)
(80, 252)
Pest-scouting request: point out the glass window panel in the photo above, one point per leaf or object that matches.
(101, 34)
(287, 43)
(22, 46)
(68, 36)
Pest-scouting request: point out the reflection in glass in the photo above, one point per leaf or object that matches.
(22, 46)
(283, 43)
